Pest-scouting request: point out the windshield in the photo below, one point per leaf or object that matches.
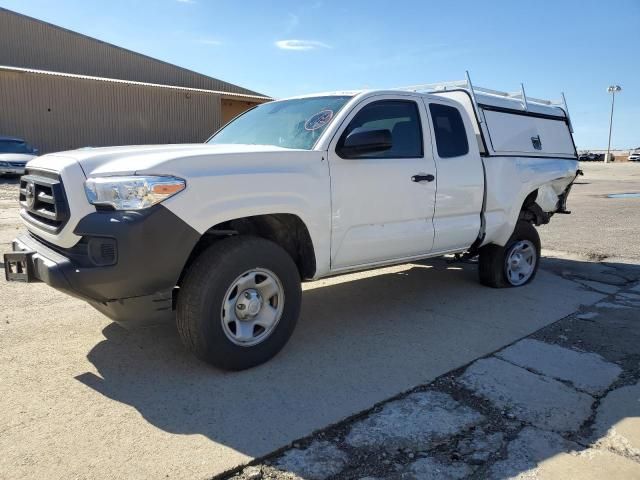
(12, 146)
(294, 123)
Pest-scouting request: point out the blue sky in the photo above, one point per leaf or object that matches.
(284, 47)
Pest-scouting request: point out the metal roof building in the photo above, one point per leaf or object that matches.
(61, 90)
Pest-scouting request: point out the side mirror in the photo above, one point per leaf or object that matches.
(369, 141)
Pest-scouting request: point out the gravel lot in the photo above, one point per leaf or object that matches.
(464, 381)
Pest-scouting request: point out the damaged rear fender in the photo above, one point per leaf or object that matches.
(552, 196)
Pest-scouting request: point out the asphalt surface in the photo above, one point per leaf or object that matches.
(82, 398)
(599, 227)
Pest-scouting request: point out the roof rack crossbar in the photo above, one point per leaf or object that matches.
(473, 89)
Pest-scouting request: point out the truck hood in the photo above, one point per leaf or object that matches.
(154, 159)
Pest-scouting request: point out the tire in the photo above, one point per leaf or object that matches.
(492, 266)
(209, 313)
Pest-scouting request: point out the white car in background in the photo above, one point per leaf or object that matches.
(14, 155)
(634, 157)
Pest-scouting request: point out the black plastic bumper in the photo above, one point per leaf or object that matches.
(152, 249)
(41, 264)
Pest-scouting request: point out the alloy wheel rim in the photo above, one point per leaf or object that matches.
(252, 307)
(520, 262)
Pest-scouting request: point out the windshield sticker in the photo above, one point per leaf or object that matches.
(318, 120)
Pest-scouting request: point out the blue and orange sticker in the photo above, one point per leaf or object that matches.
(318, 120)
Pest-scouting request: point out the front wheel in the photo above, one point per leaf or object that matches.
(239, 302)
(515, 264)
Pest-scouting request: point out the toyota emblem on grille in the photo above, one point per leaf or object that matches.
(30, 194)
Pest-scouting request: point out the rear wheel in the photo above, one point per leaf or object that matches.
(515, 264)
(239, 302)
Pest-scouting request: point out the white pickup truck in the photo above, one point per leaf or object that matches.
(218, 236)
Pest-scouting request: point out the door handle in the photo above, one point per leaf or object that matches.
(423, 178)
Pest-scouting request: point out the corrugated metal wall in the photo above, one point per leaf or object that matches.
(30, 43)
(60, 113)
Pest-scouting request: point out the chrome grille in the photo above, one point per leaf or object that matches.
(43, 201)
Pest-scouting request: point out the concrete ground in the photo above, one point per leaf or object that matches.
(599, 227)
(561, 403)
(82, 398)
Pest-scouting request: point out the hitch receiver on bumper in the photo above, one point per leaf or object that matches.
(18, 267)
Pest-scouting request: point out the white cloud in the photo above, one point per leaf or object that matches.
(300, 44)
(210, 41)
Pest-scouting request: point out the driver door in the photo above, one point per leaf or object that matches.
(383, 202)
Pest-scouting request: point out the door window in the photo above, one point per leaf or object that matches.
(451, 137)
(400, 118)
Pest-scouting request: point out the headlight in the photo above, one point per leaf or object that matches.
(4, 164)
(131, 193)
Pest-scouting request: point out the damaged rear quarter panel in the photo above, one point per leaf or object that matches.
(549, 193)
(511, 179)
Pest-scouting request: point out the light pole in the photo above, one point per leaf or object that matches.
(612, 90)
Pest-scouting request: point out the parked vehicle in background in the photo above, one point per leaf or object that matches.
(634, 157)
(591, 157)
(14, 155)
(218, 236)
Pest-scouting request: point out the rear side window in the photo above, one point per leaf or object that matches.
(451, 137)
(400, 117)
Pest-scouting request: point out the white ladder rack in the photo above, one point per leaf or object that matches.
(472, 89)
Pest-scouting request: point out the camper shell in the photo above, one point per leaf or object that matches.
(511, 124)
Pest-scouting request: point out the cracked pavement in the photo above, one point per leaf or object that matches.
(563, 402)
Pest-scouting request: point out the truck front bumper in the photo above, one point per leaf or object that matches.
(32, 261)
(151, 250)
